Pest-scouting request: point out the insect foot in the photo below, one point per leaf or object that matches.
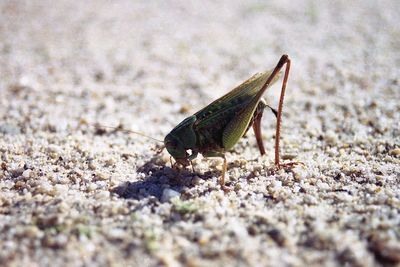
(289, 165)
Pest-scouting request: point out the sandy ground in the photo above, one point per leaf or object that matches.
(73, 195)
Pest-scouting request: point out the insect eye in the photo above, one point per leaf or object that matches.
(170, 144)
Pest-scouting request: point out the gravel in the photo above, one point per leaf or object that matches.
(72, 194)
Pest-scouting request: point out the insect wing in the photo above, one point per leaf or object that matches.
(241, 93)
(234, 110)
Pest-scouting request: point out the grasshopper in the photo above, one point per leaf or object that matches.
(216, 128)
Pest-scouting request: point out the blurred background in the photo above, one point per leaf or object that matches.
(188, 49)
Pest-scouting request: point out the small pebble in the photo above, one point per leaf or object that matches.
(169, 194)
(395, 152)
(91, 187)
(102, 195)
(26, 173)
(116, 233)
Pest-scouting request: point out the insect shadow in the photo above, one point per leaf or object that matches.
(159, 177)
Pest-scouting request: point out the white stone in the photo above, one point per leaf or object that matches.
(169, 194)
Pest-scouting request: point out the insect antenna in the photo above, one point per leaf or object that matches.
(121, 129)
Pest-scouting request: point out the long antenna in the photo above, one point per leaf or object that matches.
(119, 128)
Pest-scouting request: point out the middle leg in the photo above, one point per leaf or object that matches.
(258, 113)
(210, 154)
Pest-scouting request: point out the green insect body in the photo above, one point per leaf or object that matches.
(216, 128)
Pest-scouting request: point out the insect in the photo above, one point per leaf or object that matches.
(216, 128)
